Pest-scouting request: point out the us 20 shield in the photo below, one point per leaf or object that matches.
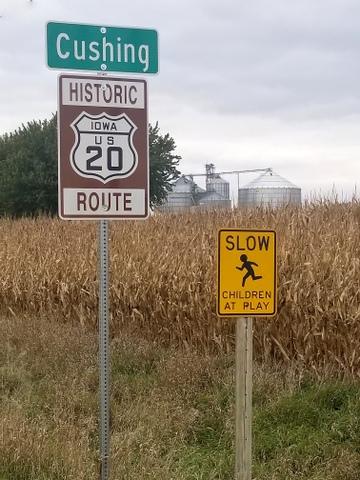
(103, 147)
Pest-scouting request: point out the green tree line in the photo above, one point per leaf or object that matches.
(29, 168)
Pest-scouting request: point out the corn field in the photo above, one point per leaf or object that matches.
(162, 279)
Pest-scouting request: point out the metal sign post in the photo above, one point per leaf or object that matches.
(104, 349)
(103, 150)
(103, 175)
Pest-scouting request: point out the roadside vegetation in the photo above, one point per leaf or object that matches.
(172, 359)
(172, 413)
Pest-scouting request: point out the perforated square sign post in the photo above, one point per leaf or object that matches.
(246, 273)
(103, 148)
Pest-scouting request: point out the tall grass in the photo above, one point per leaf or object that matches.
(171, 412)
(163, 273)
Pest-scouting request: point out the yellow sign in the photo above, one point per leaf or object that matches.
(246, 274)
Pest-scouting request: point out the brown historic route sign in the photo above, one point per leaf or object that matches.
(103, 148)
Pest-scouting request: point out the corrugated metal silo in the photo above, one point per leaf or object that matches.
(177, 202)
(219, 185)
(181, 198)
(211, 200)
(269, 189)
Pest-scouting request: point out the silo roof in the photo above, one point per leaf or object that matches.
(217, 179)
(270, 179)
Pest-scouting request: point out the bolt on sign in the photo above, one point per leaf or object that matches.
(246, 273)
(103, 148)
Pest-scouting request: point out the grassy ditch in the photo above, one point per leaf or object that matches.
(172, 414)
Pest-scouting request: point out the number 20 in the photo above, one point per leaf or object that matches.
(114, 158)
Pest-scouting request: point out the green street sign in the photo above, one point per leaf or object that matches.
(72, 46)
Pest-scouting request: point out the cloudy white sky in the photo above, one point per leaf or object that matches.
(243, 84)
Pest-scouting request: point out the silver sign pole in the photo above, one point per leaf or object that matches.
(104, 349)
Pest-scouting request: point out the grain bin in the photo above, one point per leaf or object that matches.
(269, 189)
(181, 197)
(219, 185)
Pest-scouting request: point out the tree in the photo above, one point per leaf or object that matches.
(163, 165)
(28, 168)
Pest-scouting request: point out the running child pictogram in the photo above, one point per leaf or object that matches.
(248, 266)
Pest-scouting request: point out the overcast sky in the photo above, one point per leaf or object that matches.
(242, 84)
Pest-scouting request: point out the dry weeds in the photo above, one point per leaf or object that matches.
(162, 280)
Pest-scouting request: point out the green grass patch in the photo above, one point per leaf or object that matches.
(305, 430)
(195, 462)
(172, 414)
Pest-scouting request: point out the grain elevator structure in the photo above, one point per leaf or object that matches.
(268, 189)
(186, 195)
